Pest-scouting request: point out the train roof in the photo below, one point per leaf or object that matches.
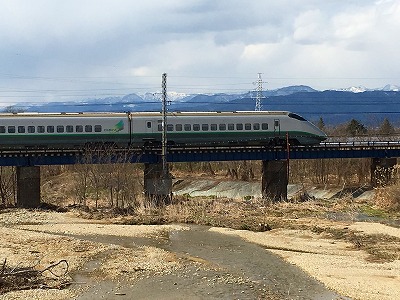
(139, 114)
(58, 114)
(233, 113)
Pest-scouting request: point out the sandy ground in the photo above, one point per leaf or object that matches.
(35, 239)
(335, 263)
(40, 238)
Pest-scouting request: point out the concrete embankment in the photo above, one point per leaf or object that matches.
(248, 190)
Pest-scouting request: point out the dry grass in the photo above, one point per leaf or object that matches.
(380, 247)
(388, 198)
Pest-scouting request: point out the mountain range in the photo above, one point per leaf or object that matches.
(370, 107)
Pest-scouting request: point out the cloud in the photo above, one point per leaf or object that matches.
(311, 27)
(205, 44)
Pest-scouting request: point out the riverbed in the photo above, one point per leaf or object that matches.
(111, 261)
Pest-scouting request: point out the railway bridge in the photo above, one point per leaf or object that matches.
(275, 160)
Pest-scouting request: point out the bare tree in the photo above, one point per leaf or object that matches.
(7, 186)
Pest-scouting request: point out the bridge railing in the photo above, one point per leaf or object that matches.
(361, 144)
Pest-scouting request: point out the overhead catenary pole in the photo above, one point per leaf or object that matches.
(157, 179)
(164, 124)
(288, 154)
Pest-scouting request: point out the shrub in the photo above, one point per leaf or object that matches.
(388, 198)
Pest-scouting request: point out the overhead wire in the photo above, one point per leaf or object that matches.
(7, 95)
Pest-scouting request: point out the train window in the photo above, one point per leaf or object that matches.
(297, 117)
(204, 127)
(40, 129)
(69, 128)
(97, 128)
(2, 129)
(222, 127)
(88, 128)
(247, 126)
(196, 127)
(60, 128)
(239, 126)
(79, 128)
(21, 129)
(148, 124)
(31, 129)
(264, 126)
(170, 127)
(50, 129)
(178, 127)
(187, 127)
(11, 129)
(256, 126)
(231, 126)
(213, 127)
(159, 127)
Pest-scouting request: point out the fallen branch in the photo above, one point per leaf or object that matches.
(49, 268)
(32, 272)
(3, 269)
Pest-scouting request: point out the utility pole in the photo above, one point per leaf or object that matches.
(259, 94)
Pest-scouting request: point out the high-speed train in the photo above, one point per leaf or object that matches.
(138, 129)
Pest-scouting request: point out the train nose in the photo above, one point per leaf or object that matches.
(318, 132)
(321, 134)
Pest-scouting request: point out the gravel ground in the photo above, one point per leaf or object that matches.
(37, 238)
(337, 264)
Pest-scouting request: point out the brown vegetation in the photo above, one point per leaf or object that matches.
(388, 198)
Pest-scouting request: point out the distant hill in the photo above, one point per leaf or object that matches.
(368, 106)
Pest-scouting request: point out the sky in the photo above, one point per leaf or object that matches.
(54, 50)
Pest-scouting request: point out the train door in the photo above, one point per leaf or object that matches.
(150, 126)
(277, 127)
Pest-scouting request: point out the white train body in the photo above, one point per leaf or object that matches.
(38, 130)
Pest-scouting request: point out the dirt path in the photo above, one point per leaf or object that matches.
(181, 262)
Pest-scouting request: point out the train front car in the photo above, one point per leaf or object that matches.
(301, 131)
(241, 128)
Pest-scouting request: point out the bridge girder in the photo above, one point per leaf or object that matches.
(66, 157)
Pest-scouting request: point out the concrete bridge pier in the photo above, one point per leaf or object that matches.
(382, 170)
(274, 180)
(28, 187)
(157, 183)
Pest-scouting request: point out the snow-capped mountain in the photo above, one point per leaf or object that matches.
(175, 96)
(171, 96)
(390, 87)
(361, 89)
(354, 89)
